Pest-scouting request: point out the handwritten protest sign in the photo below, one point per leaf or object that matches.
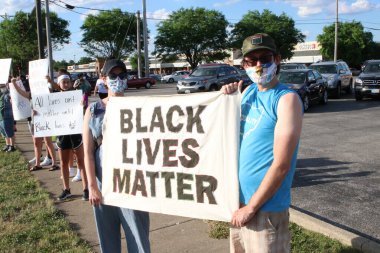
(20, 105)
(38, 70)
(173, 155)
(5, 65)
(58, 113)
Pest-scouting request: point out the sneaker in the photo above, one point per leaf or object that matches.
(64, 195)
(34, 159)
(77, 177)
(85, 195)
(46, 162)
(72, 172)
(11, 149)
(5, 148)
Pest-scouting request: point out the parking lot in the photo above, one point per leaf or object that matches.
(338, 171)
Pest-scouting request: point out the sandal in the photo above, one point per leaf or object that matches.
(54, 167)
(34, 168)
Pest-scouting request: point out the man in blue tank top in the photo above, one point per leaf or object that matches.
(270, 128)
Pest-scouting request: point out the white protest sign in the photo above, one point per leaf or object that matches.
(5, 65)
(38, 70)
(58, 113)
(175, 155)
(20, 105)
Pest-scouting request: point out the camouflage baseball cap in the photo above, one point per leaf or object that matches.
(258, 41)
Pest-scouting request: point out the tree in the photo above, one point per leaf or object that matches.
(280, 28)
(18, 37)
(110, 34)
(354, 44)
(60, 65)
(198, 34)
(85, 60)
(134, 63)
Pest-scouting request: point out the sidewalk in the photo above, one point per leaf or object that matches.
(168, 234)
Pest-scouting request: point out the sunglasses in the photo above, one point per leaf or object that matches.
(113, 76)
(264, 59)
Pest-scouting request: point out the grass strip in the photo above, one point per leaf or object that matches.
(29, 221)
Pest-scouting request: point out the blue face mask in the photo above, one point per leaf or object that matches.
(117, 85)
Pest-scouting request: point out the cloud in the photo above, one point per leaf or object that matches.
(355, 7)
(159, 14)
(10, 7)
(226, 3)
(90, 12)
(313, 7)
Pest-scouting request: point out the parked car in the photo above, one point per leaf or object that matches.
(175, 76)
(208, 77)
(156, 77)
(338, 76)
(309, 84)
(135, 82)
(286, 66)
(367, 84)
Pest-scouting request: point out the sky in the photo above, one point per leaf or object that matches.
(310, 16)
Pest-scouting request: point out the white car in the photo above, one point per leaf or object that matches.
(175, 76)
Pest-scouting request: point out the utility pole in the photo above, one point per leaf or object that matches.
(138, 46)
(39, 29)
(146, 56)
(48, 36)
(336, 34)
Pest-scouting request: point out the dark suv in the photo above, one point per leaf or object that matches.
(338, 76)
(367, 84)
(208, 77)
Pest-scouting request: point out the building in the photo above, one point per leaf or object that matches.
(306, 52)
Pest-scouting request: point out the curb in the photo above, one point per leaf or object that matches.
(308, 222)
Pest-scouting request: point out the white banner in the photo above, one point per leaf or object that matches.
(5, 66)
(58, 113)
(38, 70)
(175, 155)
(20, 105)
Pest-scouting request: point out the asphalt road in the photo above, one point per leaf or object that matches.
(338, 170)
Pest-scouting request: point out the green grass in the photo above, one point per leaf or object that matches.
(29, 221)
(303, 241)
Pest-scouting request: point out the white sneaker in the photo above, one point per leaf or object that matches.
(34, 160)
(77, 177)
(46, 162)
(71, 172)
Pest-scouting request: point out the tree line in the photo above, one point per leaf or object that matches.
(198, 34)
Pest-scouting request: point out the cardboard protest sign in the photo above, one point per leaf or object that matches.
(173, 154)
(20, 105)
(38, 70)
(5, 66)
(58, 113)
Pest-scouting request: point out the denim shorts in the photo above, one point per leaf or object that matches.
(6, 128)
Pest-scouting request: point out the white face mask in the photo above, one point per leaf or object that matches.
(263, 74)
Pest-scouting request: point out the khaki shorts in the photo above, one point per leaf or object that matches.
(266, 232)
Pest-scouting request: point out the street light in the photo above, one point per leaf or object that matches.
(336, 34)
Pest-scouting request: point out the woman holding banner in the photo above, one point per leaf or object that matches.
(68, 144)
(37, 141)
(109, 218)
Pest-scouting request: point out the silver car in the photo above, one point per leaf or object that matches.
(175, 76)
(208, 77)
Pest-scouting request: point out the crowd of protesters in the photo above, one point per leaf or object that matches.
(262, 221)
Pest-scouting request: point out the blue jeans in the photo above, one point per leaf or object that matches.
(109, 218)
(135, 224)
